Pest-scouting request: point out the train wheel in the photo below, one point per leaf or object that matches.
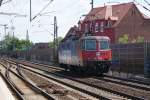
(89, 70)
(72, 68)
(104, 68)
(64, 66)
(100, 69)
(107, 68)
(78, 70)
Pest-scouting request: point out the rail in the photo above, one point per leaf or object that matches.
(13, 88)
(31, 85)
(102, 88)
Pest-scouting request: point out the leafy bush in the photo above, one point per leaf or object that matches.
(124, 39)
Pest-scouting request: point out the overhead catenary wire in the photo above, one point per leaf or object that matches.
(42, 10)
(69, 6)
(5, 2)
(147, 2)
(46, 13)
(10, 14)
(142, 6)
(44, 29)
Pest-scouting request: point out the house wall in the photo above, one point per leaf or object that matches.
(134, 25)
(130, 21)
(107, 31)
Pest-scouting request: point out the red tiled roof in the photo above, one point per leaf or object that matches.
(118, 11)
(71, 31)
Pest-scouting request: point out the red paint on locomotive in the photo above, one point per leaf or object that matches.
(88, 52)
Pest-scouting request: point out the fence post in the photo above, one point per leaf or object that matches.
(127, 58)
(146, 60)
(119, 61)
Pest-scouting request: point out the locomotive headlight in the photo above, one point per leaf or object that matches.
(97, 53)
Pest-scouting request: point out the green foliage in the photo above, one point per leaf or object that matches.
(140, 39)
(124, 39)
(51, 44)
(13, 43)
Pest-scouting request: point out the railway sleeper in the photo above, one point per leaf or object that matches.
(61, 92)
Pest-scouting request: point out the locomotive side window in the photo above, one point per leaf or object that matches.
(104, 45)
(96, 27)
(90, 44)
(83, 44)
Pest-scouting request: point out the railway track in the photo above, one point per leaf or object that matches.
(117, 80)
(16, 93)
(23, 89)
(142, 83)
(125, 83)
(81, 86)
(95, 85)
(77, 96)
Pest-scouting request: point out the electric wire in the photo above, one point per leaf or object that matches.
(42, 9)
(6, 2)
(142, 6)
(147, 2)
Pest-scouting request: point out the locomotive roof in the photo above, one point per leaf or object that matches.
(96, 37)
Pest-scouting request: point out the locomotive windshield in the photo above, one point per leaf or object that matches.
(90, 44)
(104, 44)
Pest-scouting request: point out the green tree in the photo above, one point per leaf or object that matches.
(13, 43)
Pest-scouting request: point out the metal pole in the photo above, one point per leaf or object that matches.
(54, 41)
(92, 4)
(56, 34)
(5, 29)
(27, 36)
(27, 48)
(30, 11)
(119, 61)
(1, 2)
(13, 41)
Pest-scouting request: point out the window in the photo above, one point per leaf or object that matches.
(133, 12)
(86, 27)
(83, 45)
(96, 27)
(102, 27)
(108, 24)
(91, 26)
(104, 44)
(79, 26)
(90, 44)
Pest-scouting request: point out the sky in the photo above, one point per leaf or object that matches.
(68, 13)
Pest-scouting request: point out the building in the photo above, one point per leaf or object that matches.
(115, 21)
(40, 46)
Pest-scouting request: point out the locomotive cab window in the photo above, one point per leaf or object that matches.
(82, 44)
(90, 44)
(104, 44)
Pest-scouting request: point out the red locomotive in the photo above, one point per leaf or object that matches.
(88, 53)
